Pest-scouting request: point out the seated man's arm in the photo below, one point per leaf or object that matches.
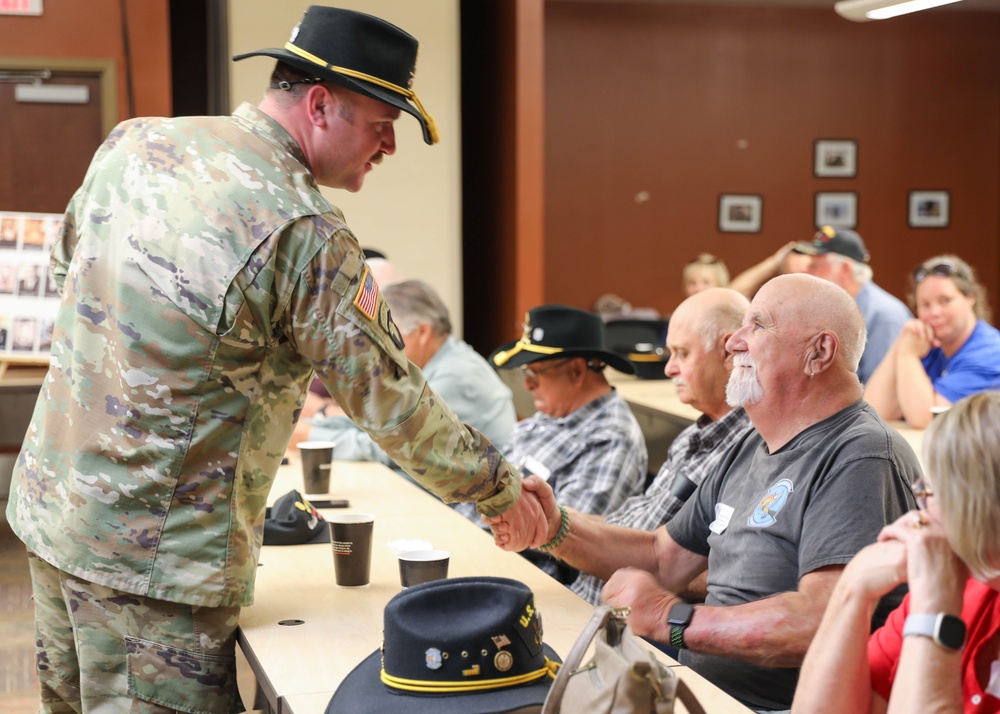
(772, 632)
(600, 548)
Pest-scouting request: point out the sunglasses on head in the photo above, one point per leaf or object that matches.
(944, 269)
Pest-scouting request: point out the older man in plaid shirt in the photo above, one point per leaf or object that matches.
(583, 439)
(699, 366)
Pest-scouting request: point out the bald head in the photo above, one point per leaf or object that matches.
(814, 305)
(712, 312)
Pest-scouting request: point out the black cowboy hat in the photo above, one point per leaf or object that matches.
(456, 646)
(555, 331)
(360, 52)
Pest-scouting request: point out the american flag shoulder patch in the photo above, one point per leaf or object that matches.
(367, 299)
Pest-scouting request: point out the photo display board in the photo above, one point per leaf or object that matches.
(28, 295)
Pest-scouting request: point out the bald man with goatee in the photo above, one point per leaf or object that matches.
(777, 521)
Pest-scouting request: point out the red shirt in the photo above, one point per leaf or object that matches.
(981, 613)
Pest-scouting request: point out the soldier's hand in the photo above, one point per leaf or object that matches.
(550, 508)
(520, 526)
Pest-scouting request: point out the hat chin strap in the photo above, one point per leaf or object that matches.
(523, 345)
(407, 93)
(423, 685)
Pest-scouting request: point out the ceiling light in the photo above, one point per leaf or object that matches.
(865, 10)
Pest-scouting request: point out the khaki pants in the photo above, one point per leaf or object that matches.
(102, 650)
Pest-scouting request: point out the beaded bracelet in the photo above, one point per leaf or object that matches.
(561, 535)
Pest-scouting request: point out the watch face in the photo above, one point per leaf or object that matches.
(951, 632)
(680, 614)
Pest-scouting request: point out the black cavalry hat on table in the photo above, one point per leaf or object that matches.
(454, 646)
(292, 520)
(835, 240)
(556, 331)
(361, 52)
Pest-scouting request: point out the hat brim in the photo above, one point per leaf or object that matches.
(809, 249)
(356, 85)
(362, 692)
(612, 359)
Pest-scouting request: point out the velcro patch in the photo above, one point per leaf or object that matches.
(367, 297)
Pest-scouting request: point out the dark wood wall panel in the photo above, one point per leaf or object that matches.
(684, 103)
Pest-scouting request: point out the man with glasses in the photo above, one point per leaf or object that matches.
(583, 438)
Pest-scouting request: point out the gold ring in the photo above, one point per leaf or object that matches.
(919, 522)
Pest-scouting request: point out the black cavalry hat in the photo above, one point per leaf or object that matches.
(455, 646)
(361, 52)
(555, 331)
(292, 520)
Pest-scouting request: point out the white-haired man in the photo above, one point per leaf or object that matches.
(775, 524)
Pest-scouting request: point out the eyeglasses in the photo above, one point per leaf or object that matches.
(944, 269)
(921, 492)
(531, 373)
(286, 84)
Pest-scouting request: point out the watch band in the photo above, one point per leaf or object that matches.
(945, 630)
(678, 619)
(677, 637)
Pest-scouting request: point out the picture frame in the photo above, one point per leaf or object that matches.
(837, 208)
(835, 158)
(740, 213)
(929, 209)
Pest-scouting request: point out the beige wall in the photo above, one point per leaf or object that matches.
(411, 205)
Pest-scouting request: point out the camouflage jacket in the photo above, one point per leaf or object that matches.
(204, 279)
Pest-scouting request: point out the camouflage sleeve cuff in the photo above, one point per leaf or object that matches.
(507, 494)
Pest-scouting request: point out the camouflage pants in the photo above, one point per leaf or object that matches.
(102, 650)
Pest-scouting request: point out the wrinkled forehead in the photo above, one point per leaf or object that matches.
(777, 307)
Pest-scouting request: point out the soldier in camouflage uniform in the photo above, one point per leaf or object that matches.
(205, 279)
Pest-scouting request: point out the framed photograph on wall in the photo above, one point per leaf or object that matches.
(929, 209)
(838, 209)
(740, 213)
(835, 158)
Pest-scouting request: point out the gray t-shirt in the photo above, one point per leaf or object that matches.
(764, 520)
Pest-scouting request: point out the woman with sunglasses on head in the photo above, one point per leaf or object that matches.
(939, 651)
(948, 352)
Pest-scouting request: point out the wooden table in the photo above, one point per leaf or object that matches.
(298, 667)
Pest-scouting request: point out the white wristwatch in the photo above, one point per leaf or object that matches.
(946, 630)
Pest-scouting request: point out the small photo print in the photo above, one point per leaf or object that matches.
(23, 334)
(4, 331)
(835, 158)
(740, 213)
(9, 231)
(33, 235)
(29, 280)
(8, 279)
(929, 209)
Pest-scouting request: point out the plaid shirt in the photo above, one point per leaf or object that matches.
(596, 455)
(695, 453)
